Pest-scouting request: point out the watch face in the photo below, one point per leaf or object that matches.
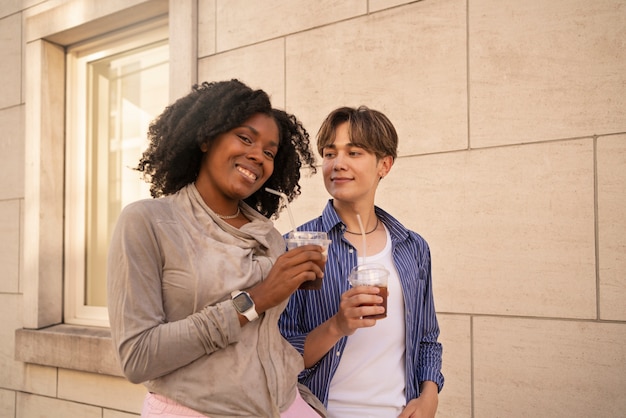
(242, 302)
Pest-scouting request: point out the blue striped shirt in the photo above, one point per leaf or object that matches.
(307, 309)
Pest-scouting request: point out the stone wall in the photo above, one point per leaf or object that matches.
(512, 165)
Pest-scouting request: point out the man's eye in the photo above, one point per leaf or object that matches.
(329, 155)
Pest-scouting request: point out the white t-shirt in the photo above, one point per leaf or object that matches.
(370, 379)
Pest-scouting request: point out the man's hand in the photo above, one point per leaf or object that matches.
(355, 306)
(426, 405)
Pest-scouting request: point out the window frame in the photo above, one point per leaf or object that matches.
(78, 57)
(48, 28)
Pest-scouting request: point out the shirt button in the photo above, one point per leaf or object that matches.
(350, 250)
(338, 353)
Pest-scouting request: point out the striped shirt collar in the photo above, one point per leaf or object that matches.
(331, 220)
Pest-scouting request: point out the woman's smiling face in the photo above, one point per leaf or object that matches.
(241, 160)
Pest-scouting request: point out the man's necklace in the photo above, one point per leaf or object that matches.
(358, 233)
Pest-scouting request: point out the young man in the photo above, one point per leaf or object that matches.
(358, 366)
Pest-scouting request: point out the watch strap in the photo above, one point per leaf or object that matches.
(250, 313)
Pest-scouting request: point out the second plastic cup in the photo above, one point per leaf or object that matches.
(371, 275)
(299, 238)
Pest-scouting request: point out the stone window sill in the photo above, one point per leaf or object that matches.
(83, 348)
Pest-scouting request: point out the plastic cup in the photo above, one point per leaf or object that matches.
(371, 275)
(299, 238)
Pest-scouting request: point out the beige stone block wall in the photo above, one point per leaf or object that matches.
(409, 62)
(517, 232)
(109, 413)
(456, 338)
(87, 388)
(9, 257)
(7, 403)
(260, 66)
(612, 226)
(545, 70)
(9, 7)
(241, 22)
(29, 405)
(512, 122)
(12, 150)
(206, 28)
(548, 368)
(12, 376)
(11, 63)
(499, 106)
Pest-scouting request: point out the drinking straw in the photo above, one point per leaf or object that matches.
(284, 197)
(358, 218)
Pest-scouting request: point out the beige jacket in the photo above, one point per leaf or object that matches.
(172, 266)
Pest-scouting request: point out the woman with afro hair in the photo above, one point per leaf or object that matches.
(198, 276)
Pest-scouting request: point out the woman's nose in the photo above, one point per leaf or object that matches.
(255, 153)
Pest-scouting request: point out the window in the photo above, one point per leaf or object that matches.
(50, 30)
(116, 86)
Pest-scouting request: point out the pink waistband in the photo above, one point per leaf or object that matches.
(156, 405)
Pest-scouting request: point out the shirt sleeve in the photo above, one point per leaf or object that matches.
(147, 345)
(288, 324)
(430, 350)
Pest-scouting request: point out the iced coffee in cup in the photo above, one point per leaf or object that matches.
(371, 275)
(299, 238)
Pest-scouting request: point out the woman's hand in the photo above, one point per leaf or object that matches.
(289, 271)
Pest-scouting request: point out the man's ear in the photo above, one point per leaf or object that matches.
(385, 166)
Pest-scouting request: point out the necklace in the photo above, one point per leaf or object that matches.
(369, 232)
(229, 216)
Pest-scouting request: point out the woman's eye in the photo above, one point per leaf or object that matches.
(270, 155)
(245, 139)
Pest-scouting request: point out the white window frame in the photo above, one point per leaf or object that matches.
(49, 28)
(78, 58)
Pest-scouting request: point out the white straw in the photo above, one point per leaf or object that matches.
(284, 196)
(358, 218)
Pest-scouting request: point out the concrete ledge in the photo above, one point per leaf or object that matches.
(88, 349)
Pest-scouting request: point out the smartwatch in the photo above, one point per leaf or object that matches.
(244, 304)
